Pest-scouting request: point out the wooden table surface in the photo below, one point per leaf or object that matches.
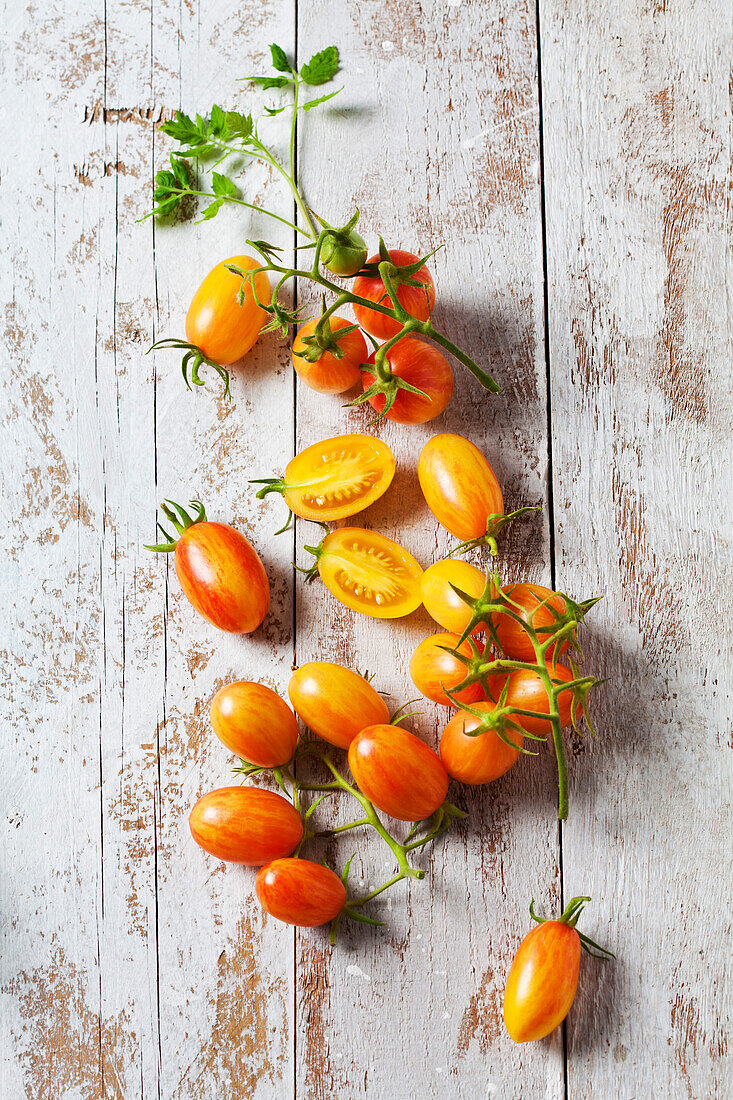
(574, 161)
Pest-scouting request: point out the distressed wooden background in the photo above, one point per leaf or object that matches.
(574, 159)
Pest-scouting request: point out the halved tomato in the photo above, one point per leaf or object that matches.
(368, 572)
(335, 478)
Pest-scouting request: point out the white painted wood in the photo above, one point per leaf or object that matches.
(637, 163)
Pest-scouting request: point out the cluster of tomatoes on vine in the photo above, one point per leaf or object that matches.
(497, 660)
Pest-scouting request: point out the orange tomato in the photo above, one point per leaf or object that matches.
(335, 702)
(417, 300)
(432, 670)
(369, 573)
(398, 772)
(423, 366)
(223, 577)
(445, 605)
(526, 691)
(513, 639)
(245, 825)
(300, 892)
(542, 981)
(479, 759)
(254, 723)
(459, 486)
(329, 374)
(216, 323)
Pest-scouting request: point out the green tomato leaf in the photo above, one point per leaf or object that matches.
(210, 211)
(279, 59)
(275, 110)
(239, 126)
(180, 170)
(217, 122)
(182, 129)
(322, 67)
(222, 186)
(321, 99)
(269, 81)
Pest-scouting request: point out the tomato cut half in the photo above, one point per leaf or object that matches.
(369, 573)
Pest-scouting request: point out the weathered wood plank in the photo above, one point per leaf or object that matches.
(637, 164)
(436, 139)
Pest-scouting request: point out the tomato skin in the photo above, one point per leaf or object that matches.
(442, 603)
(542, 981)
(459, 486)
(223, 577)
(423, 366)
(370, 573)
(417, 300)
(254, 723)
(398, 772)
(338, 477)
(431, 667)
(526, 691)
(476, 760)
(335, 702)
(216, 323)
(513, 639)
(329, 374)
(300, 892)
(245, 825)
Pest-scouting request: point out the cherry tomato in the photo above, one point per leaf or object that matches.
(526, 691)
(245, 825)
(542, 981)
(417, 300)
(369, 573)
(335, 478)
(223, 577)
(300, 892)
(479, 759)
(216, 322)
(335, 702)
(459, 486)
(398, 772)
(445, 606)
(432, 669)
(254, 722)
(515, 641)
(329, 374)
(423, 366)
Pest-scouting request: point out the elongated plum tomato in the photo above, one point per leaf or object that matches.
(421, 365)
(479, 759)
(432, 670)
(542, 981)
(459, 486)
(513, 639)
(369, 573)
(216, 322)
(445, 605)
(526, 691)
(398, 772)
(329, 374)
(417, 300)
(300, 892)
(335, 478)
(254, 723)
(245, 825)
(335, 702)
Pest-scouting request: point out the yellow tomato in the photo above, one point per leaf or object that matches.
(216, 323)
(445, 605)
(335, 702)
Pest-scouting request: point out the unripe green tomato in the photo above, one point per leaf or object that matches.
(344, 256)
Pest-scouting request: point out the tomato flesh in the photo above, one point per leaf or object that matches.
(542, 981)
(335, 702)
(300, 892)
(245, 825)
(330, 374)
(398, 772)
(421, 365)
(338, 477)
(432, 670)
(255, 724)
(216, 322)
(222, 576)
(459, 486)
(445, 605)
(481, 759)
(417, 300)
(369, 573)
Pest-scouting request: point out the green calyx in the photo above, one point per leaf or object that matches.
(494, 524)
(312, 571)
(181, 520)
(194, 358)
(324, 339)
(570, 917)
(385, 381)
(398, 274)
(500, 720)
(273, 485)
(343, 251)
